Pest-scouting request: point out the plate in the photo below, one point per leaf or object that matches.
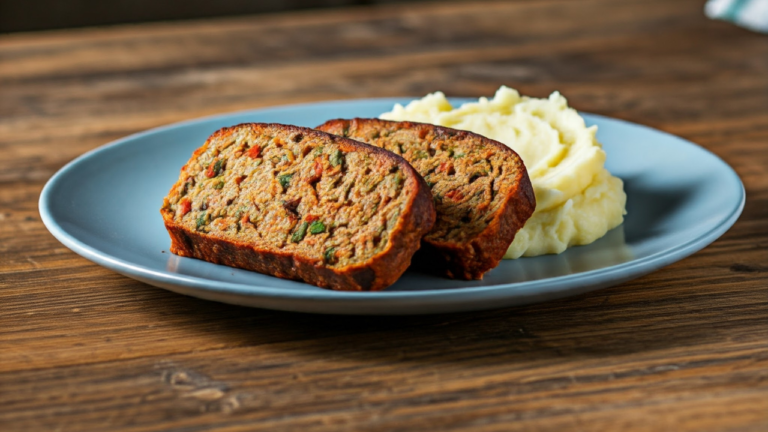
(105, 204)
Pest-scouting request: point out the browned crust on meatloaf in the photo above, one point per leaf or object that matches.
(375, 273)
(471, 258)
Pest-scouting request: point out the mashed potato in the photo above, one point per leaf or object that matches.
(577, 199)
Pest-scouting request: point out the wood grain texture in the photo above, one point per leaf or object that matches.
(685, 348)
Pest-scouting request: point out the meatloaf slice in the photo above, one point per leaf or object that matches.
(299, 204)
(481, 190)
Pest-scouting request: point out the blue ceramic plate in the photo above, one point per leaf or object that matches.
(105, 206)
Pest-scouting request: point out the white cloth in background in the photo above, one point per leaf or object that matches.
(751, 14)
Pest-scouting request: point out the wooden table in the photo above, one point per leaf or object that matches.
(83, 348)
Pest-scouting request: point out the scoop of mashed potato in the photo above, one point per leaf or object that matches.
(577, 199)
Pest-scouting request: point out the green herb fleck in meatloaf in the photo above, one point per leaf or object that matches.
(299, 204)
(480, 187)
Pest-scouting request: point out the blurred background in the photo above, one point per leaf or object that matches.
(28, 15)
(32, 15)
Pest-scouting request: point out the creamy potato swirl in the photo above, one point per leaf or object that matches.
(577, 199)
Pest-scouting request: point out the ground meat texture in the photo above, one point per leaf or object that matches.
(480, 187)
(299, 204)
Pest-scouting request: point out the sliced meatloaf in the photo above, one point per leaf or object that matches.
(299, 204)
(481, 190)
